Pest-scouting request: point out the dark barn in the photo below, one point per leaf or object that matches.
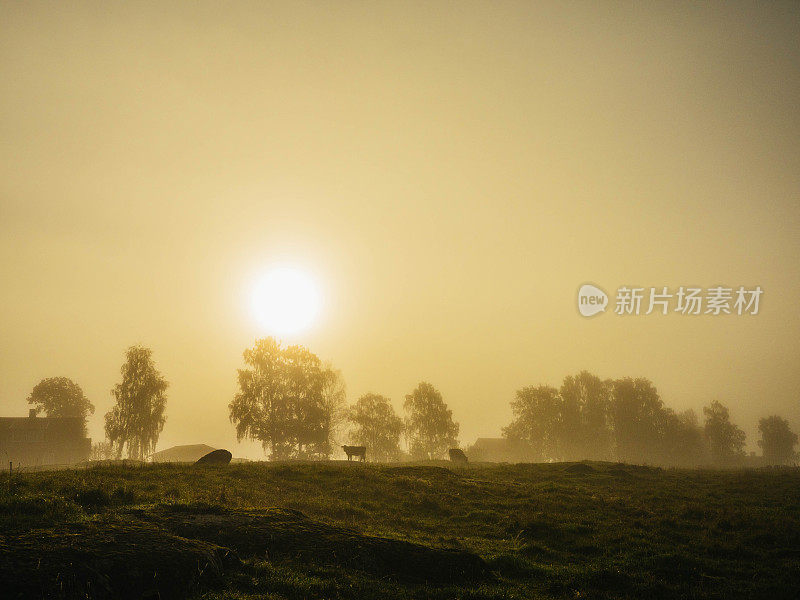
(34, 441)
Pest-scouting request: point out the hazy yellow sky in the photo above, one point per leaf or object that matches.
(450, 173)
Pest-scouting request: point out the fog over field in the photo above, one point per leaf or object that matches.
(446, 176)
(399, 300)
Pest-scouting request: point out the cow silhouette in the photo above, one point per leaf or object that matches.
(457, 456)
(357, 451)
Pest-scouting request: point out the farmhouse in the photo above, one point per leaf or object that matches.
(34, 441)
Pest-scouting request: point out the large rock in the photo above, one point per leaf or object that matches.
(217, 457)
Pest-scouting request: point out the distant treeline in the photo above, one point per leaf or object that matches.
(626, 420)
(296, 407)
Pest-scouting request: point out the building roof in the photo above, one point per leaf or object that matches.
(42, 423)
(185, 453)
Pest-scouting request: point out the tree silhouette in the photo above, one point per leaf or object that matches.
(377, 427)
(725, 440)
(536, 425)
(137, 418)
(637, 416)
(61, 397)
(334, 400)
(310, 422)
(681, 439)
(777, 441)
(286, 400)
(585, 429)
(429, 424)
(101, 451)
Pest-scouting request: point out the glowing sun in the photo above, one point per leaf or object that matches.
(285, 301)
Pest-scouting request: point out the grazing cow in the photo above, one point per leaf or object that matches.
(457, 456)
(357, 451)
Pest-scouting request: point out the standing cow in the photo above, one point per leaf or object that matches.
(359, 452)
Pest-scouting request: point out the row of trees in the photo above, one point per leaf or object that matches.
(428, 428)
(626, 420)
(134, 423)
(295, 406)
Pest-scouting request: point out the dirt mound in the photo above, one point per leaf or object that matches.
(580, 468)
(102, 560)
(423, 471)
(640, 469)
(289, 534)
(647, 469)
(619, 472)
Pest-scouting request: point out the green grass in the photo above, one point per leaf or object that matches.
(544, 530)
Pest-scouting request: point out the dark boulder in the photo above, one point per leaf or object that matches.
(217, 457)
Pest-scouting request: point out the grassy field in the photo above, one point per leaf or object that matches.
(339, 530)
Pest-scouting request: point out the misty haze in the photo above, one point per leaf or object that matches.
(399, 300)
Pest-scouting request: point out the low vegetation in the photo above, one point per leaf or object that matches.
(338, 530)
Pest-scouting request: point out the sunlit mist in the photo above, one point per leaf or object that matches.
(285, 301)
